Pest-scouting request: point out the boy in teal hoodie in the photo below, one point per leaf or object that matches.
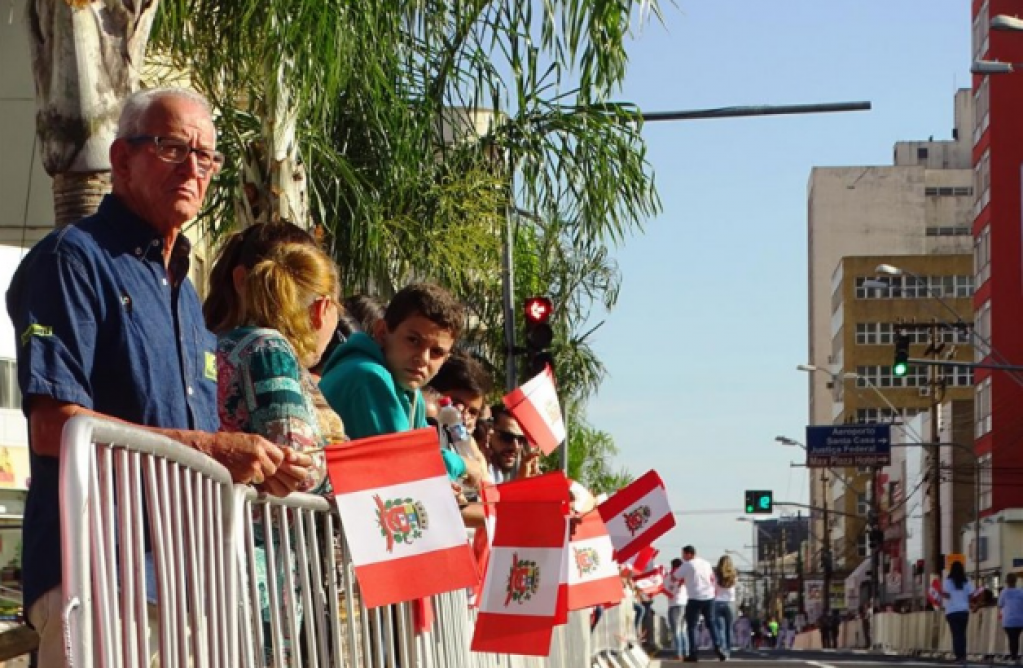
(373, 380)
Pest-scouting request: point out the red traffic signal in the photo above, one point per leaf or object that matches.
(538, 310)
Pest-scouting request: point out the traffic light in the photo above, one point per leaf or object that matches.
(759, 502)
(901, 364)
(539, 334)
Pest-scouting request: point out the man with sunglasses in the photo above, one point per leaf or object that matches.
(109, 325)
(511, 455)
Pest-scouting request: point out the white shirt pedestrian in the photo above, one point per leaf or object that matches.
(698, 576)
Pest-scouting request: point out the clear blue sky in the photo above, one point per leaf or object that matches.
(702, 348)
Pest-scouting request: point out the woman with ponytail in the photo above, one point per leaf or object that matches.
(287, 304)
(725, 580)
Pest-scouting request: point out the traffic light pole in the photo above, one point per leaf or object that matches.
(508, 299)
(937, 565)
(827, 562)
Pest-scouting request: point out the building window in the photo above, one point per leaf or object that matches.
(862, 549)
(980, 33)
(982, 255)
(981, 115)
(10, 395)
(948, 231)
(862, 505)
(948, 191)
(984, 493)
(915, 287)
(982, 408)
(982, 182)
(921, 153)
(885, 415)
(983, 330)
(881, 376)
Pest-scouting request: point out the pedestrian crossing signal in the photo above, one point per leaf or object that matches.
(759, 502)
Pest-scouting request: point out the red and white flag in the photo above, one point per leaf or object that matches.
(934, 592)
(640, 561)
(650, 583)
(400, 519)
(519, 605)
(637, 515)
(536, 408)
(592, 571)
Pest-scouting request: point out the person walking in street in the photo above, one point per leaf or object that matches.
(1010, 609)
(679, 596)
(957, 592)
(824, 626)
(698, 577)
(725, 578)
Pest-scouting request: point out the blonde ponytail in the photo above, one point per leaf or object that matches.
(280, 289)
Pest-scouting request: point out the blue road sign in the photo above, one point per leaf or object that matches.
(830, 446)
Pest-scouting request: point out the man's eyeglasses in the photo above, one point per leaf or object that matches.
(509, 437)
(177, 151)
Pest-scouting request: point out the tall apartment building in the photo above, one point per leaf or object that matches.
(920, 205)
(997, 157)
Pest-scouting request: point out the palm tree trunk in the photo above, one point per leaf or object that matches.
(77, 195)
(86, 58)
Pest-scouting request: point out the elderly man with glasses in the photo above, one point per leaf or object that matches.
(109, 325)
(511, 454)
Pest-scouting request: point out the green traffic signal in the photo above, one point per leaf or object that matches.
(759, 502)
(900, 367)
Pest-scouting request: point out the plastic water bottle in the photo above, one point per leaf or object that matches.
(451, 418)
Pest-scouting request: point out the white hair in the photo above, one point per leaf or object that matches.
(138, 103)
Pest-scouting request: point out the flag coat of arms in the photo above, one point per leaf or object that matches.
(404, 530)
(519, 603)
(650, 583)
(592, 571)
(536, 408)
(637, 515)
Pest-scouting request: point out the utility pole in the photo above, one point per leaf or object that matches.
(937, 558)
(800, 598)
(875, 547)
(826, 556)
(782, 579)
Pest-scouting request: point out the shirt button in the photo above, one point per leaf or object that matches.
(190, 391)
(138, 251)
(156, 242)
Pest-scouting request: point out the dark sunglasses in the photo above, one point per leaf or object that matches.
(509, 437)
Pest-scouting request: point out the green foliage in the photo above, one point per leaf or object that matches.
(378, 104)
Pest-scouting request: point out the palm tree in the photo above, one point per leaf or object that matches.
(85, 61)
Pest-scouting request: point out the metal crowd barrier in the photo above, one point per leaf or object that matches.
(238, 579)
(126, 600)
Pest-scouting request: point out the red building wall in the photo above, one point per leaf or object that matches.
(1002, 141)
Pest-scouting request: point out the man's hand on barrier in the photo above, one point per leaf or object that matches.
(249, 458)
(294, 473)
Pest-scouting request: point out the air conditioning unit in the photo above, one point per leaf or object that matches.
(925, 391)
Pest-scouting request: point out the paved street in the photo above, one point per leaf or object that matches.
(816, 659)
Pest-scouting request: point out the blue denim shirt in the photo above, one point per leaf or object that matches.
(100, 324)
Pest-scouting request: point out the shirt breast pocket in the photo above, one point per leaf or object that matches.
(206, 375)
